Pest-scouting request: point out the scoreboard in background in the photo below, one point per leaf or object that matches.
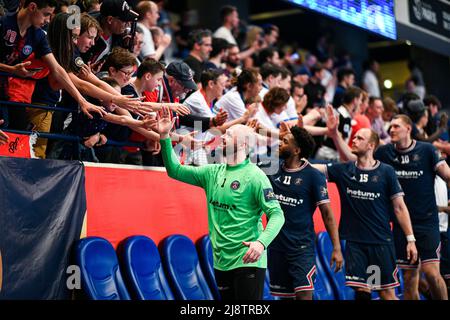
(374, 15)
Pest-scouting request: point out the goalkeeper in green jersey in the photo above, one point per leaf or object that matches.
(238, 193)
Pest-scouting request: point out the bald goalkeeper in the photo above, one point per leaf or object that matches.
(238, 193)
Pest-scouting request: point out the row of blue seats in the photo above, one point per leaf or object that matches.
(140, 273)
(182, 271)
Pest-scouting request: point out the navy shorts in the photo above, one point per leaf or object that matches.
(291, 273)
(370, 266)
(445, 255)
(427, 243)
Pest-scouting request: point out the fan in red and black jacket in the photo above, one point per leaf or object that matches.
(114, 18)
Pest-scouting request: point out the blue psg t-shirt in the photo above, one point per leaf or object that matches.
(299, 192)
(416, 169)
(366, 201)
(14, 48)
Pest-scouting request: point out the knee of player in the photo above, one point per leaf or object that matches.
(433, 278)
(411, 276)
(388, 294)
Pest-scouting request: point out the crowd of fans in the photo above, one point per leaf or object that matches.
(113, 66)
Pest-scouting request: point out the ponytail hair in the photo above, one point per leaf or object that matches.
(247, 76)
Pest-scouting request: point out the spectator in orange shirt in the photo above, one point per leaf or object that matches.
(360, 120)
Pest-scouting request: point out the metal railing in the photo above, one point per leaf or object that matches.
(57, 136)
(49, 135)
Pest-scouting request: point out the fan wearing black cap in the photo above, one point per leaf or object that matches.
(115, 16)
(178, 81)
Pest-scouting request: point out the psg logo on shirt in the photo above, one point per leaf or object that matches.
(27, 50)
(235, 185)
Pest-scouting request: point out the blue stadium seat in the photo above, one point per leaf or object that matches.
(143, 271)
(100, 272)
(206, 261)
(323, 289)
(337, 280)
(266, 294)
(182, 267)
(375, 295)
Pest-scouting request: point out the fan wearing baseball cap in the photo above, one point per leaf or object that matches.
(181, 78)
(115, 16)
(179, 81)
(118, 9)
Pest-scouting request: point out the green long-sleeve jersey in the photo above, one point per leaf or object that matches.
(237, 197)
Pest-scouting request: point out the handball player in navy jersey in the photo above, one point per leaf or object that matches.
(370, 195)
(300, 189)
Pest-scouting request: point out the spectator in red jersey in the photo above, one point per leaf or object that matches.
(374, 112)
(360, 120)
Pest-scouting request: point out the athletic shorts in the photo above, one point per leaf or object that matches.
(445, 255)
(370, 266)
(427, 243)
(246, 283)
(291, 273)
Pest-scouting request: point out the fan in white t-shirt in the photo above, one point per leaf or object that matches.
(274, 76)
(230, 20)
(235, 102)
(271, 77)
(274, 103)
(148, 17)
(201, 103)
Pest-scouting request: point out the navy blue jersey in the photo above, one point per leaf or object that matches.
(366, 201)
(67, 100)
(14, 48)
(116, 131)
(44, 94)
(416, 169)
(298, 192)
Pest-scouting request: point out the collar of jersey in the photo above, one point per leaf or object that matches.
(240, 165)
(408, 149)
(303, 166)
(377, 164)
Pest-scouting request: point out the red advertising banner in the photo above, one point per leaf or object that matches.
(19, 146)
(124, 200)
